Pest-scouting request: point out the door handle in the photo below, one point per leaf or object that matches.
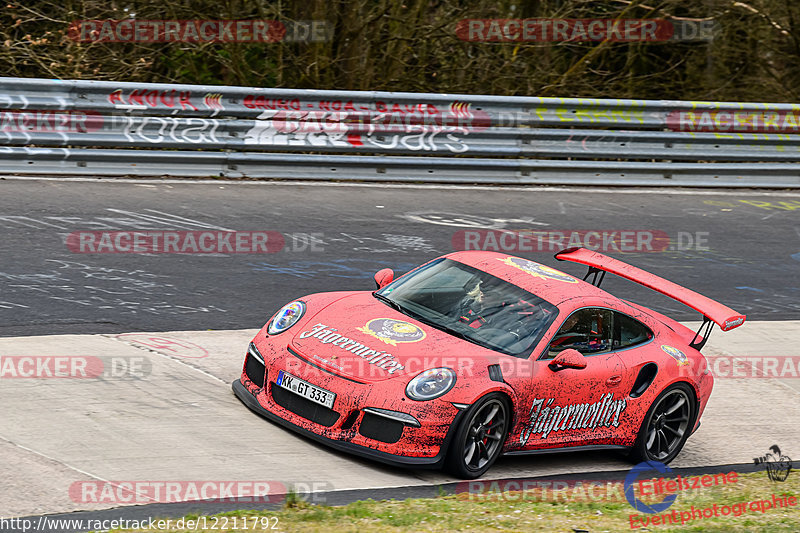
(613, 381)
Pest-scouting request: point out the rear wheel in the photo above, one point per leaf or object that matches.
(479, 438)
(666, 426)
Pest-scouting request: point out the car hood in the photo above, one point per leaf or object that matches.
(363, 338)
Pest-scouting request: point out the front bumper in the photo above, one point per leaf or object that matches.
(358, 422)
(397, 460)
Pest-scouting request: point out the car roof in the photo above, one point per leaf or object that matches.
(542, 280)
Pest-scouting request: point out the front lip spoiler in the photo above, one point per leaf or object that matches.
(250, 401)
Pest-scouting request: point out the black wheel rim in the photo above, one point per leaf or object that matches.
(668, 424)
(485, 434)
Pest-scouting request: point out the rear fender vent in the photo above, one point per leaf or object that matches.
(646, 376)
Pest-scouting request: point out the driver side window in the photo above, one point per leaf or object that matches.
(588, 330)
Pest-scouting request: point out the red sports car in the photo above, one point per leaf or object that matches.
(475, 354)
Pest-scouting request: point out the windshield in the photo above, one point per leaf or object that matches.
(472, 305)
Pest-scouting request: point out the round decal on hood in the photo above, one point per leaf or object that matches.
(538, 270)
(392, 331)
(676, 354)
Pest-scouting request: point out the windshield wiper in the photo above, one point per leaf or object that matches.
(461, 335)
(451, 331)
(391, 303)
(394, 305)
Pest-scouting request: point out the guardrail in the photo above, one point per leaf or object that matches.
(109, 128)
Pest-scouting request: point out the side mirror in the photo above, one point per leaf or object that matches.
(569, 358)
(384, 277)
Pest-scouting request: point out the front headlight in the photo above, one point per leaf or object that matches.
(431, 384)
(288, 315)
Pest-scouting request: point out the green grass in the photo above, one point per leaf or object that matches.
(525, 512)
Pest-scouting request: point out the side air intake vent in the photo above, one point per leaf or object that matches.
(495, 374)
(646, 376)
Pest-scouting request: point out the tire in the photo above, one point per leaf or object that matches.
(479, 438)
(666, 426)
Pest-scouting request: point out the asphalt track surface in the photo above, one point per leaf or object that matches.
(180, 421)
(176, 420)
(748, 258)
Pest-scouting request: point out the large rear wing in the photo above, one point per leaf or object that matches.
(712, 311)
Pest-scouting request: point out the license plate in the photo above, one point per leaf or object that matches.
(306, 389)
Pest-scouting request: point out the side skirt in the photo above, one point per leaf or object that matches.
(569, 449)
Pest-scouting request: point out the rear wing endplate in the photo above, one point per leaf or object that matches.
(713, 312)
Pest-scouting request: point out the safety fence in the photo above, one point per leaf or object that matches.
(110, 128)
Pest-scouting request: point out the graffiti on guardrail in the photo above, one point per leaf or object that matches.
(144, 98)
(380, 125)
(609, 141)
(156, 130)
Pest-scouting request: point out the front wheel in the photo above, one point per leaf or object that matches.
(666, 426)
(479, 438)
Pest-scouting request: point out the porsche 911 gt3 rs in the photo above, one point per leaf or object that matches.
(477, 354)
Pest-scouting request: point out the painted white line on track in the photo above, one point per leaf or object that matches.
(54, 459)
(128, 488)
